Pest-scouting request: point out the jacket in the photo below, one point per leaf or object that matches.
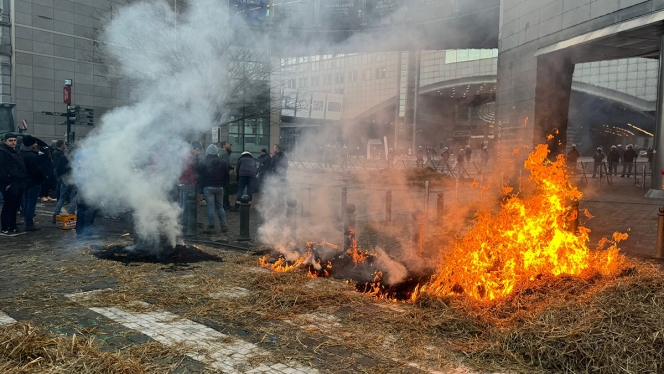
(279, 164)
(264, 162)
(35, 175)
(629, 156)
(614, 156)
(573, 156)
(246, 165)
(12, 169)
(63, 169)
(188, 175)
(213, 172)
(226, 157)
(599, 157)
(56, 156)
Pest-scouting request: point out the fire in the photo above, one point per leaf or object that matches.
(526, 239)
(354, 250)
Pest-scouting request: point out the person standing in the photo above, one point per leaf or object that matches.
(279, 164)
(187, 180)
(86, 212)
(64, 175)
(46, 165)
(572, 158)
(213, 176)
(419, 158)
(598, 159)
(225, 155)
(12, 185)
(263, 167)
(59, 149)
(33, 181)
(614, 160)
(628, 160)
(469, 154)
(246, 175)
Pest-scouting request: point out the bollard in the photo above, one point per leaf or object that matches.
(643, 185)
(244, 219)
(574, 226)
(660, 234)
(426, 199)
(291, 215)
(441, 207)
(191, 212)
(388, 206)
(344, 201)
(349, 226)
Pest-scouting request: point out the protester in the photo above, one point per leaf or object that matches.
(12, 184)
(246, 176)
(419, 158)
(598, 159)
(213, 176)
(86, 212)
(263, 167)
(469, 153)
(614, 159)
(46, 165)
(59, 148)
(445, 155)
(628, 160)
(187, 180)
(279, 164)
(63, 171)
(572, 158)
(225, 154)
(33, 181)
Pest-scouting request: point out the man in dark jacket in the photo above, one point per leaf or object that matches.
(263, 167)
(12, 184)
(572, 159)
(279, 163)
(246, 175)
(628, 160)
(67, 187)
(598, 162)
(59, 149)
(614, 160)
(213, 176)
(33, 181)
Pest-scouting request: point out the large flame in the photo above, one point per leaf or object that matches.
(526, 239)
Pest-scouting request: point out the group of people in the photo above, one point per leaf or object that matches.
(615, 157)
(464, 156)
(211, 176)
(25, 171)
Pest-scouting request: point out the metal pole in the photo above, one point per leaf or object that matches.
(344, 199)
(657, 182)
(574, 226)
(418, 232)
(388, 206)
(244, 219)
(643, 185)
(349, 226)
(660, 234)
(441, 207)
(398, 104)
(426, 199)
(191, 212)
(415, 99)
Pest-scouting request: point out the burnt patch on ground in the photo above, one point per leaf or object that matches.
(180, 254)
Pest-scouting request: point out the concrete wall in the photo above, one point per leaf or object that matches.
(54, 42)
(528, 25)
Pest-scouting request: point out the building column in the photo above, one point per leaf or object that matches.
(552, 97)
(657, 186)
(416, 97)
(398, 105)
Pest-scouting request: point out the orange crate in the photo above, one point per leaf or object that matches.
(66, 221)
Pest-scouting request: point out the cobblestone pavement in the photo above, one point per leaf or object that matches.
(50, 279)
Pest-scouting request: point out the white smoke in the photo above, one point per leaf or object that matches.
(178, 73)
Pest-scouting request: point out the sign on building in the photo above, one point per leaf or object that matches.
(340, 13)
(318, 100)
(334, 106)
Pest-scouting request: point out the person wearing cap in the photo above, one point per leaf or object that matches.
(225, 154)
(598, 159)
(213, 176)
(263, 167)
(33, 181)
(628, 160)
(614, 159)
(572, 158)
(187, 180)
(12, 184)
(246, 176)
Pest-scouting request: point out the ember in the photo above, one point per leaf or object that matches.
(526, 239)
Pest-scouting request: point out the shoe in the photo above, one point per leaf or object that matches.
(209, 230)
(7, 233)
(224, 228)
(18, 232)
(32, 228)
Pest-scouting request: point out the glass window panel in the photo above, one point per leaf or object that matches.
(462, 55)
(450, 56)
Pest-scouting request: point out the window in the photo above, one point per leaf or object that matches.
(327, 64)
(303, 59)
(352, 61)
(291, 83)
(352, 76)
(381, 57)
(315, 66)
(315, 58)
(339, 91)
(304, 82)
(461, 55)
(381, 73)
(315, 81)
(327, 57)
(339, 78)
(367, 75)
(365, 58)
(328, 79)
(341, 62)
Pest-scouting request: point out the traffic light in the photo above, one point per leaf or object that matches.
(71, 114)
(80, 116)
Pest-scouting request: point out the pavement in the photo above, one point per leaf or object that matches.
(51, 279)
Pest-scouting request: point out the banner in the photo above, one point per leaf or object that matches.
(318, 100)
(334, 106)
(298, 13)
(385, 12)
(340, 13)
